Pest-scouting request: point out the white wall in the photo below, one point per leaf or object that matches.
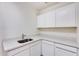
(1, 31)
(77, 13)
(15, 19)
(19, 18)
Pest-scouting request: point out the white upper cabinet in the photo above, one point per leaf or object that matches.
(65, 16)
(46, 20)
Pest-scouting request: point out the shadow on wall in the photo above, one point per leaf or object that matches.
(15, 19)
(60, 29)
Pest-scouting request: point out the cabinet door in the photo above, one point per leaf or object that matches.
(78, 52)
(47, 48)
(23, 53)
(46, 20)
(19, 51)
(62, 52)
(35, 49)
(65, 16)
(40, 21)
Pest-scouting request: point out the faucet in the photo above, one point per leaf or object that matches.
(23, 35)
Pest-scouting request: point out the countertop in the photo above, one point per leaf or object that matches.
(10, 44)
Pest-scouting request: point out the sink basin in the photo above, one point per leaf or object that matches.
(24, 41)
(30, 39)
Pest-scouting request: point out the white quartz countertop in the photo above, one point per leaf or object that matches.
(13, 44)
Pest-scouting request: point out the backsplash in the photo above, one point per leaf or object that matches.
(59, 35)
(59, 29)
(65, 33)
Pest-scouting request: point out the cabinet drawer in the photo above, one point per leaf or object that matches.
(17, 50)
(66, 47)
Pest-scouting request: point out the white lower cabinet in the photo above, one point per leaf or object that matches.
(62, 52)
(35, 49)
(23, 53)
(78, 52)
(65, 16)
(20, 51)
(47, 48)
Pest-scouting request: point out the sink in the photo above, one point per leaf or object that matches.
(30, 39)
(24, 41)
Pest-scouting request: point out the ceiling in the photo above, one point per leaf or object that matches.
(41, 5)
